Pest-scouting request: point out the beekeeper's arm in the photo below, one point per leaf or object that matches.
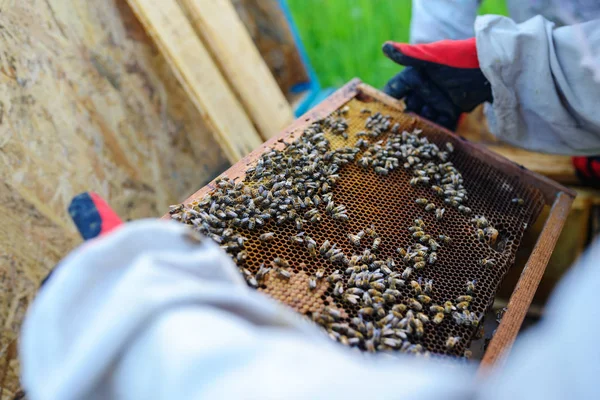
(148, 312)
(543, 96)
(434, 20)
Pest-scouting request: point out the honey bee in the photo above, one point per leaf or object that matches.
(450, 147)
(430, 207)
(480, 222)
(415, 305)
(400, 308)
(438, 190)
(463, 305)
(480, 235)
(464, 298)
(464, 209)
(419, 222)
(427, 286)
(354, 239)
(281, 262)
(421, 201)
(371, 231)
(396, 283)
(284, 273)
(320, 274)
(262, 272)
(325, 247)
(419, 265)
(242, 256)
(423, 318)
(492, 234)
(433, 244)
(312, 283)
(416, 287)
(432, 258)
(424, 299)
(449, 307)
(418, 234)
(452, 341)
(487, 262)
(265, 237)
(377, 286)
(439, 213)
(445, 239)
(389, 298)
(381, 171)
(297, 239)
(436, 309)
(438, 318)
(471, 286)
(355, 291)
(376, 243)
(312, 250)
(518, 201)
(424, 238)
(366, 312)
(338, 290)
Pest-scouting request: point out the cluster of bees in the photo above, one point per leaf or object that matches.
(295, 185)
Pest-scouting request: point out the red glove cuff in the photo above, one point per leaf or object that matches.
(453, 53)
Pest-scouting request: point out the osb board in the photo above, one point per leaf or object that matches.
(270, 32)
(473, 126)
(86, 103)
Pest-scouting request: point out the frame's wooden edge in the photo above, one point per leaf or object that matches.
(548, 187)
(329, 105)
(521, 298)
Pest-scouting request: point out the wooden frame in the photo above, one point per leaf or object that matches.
(555, 195)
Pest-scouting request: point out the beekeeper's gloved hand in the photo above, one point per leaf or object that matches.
(441, 79)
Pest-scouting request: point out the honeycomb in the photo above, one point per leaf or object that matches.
(387, 203)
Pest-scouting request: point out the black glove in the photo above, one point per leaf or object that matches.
(441, 79)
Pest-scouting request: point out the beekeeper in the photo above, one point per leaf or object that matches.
(148, 311)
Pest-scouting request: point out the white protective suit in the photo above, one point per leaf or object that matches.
(542, 77)
(145, 313)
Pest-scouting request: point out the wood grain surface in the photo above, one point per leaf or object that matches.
(174, 35)
(232, 49)
(87, 102)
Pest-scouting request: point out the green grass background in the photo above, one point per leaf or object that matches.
(343, 38)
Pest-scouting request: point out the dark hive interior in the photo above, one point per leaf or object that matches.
(387, 204)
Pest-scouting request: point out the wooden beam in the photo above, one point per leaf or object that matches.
(167, 24)
(224, 34)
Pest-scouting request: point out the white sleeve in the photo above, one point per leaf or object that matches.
(544, 97)
(146, 314)
(434, 20)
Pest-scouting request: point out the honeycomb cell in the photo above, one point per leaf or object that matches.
(387, 203)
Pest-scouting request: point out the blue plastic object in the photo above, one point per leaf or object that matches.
(315, 94)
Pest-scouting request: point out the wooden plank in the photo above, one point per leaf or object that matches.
(548, 187)
(270, 31)
(237, 171)
(527, 285)
(224, 34)
(167, 24)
